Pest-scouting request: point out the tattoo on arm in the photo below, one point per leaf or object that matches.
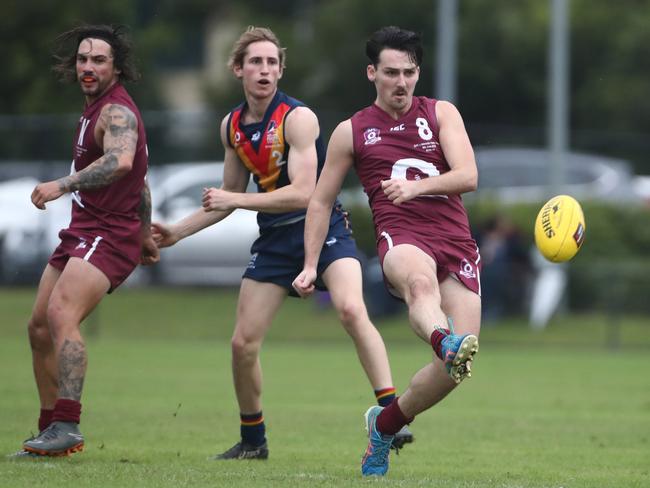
(144, 210)
(72, 369)
(97, 175)
(120, 141)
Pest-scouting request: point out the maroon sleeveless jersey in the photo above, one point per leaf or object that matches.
(112, 209)
(406, 148)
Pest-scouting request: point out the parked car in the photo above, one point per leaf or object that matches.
(519, 174)
(27, 235)
(215, 256)
(514, 174)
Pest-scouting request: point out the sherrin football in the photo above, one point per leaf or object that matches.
(560, 228)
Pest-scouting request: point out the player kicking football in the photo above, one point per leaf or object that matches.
(414, 159)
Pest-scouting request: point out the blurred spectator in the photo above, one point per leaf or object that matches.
(505, 278)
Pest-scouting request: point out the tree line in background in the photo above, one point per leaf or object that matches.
(502, 64)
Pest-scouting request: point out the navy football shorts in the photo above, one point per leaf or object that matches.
(277, 256)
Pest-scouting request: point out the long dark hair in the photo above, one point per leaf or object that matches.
(115, 35)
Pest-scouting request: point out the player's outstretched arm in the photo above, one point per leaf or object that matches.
(340, 157)
(117, 132)
(235, 180)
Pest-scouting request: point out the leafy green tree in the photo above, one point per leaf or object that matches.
(502, 63)
(28, 31)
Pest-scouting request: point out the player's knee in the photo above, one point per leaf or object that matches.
(38, 330)
(352, 314)
(243, 348)
(60, 319)
(421, 287)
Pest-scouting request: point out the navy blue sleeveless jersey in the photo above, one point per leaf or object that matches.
(263, 149)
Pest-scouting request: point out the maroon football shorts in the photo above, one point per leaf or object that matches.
(458, 257)
(98, 249)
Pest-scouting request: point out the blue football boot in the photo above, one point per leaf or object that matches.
(458, 353)
(375, 459)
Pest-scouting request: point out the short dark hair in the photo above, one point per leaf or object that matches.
(392, 37)
(115, 35)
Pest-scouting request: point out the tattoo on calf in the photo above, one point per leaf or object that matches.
(72, 369)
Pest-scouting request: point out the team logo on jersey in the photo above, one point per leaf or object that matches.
(272, 134)
(467, 269)
(237, 137)
(371, 136)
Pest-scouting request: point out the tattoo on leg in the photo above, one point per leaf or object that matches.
(72, 369)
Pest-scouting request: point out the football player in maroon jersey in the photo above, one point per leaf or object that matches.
(414, 160)
(109, 231)
(276, 139)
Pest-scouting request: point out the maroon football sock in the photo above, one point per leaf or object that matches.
(45, 418)
(436, 341)
(391, 419)
(66, 411)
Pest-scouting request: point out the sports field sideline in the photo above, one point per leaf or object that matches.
(550, 409)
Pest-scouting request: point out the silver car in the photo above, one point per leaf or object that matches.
(27, 235)
(214, 256)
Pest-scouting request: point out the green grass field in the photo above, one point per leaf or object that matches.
(545, 409)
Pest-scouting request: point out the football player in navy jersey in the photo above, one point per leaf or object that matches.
(276, 139)
(414, 160)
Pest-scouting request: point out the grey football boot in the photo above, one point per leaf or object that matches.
(22, 454)
(404, 436)
(59, 439)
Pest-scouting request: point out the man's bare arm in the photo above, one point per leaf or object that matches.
(301, 132)
(455, 144)
(235, 180)
(144, 209)
(117, 132)
(339, 160)
(120, 138)
(149, 253)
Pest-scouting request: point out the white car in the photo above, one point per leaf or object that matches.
(521, 174)
(217, 255)
(27, 235)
